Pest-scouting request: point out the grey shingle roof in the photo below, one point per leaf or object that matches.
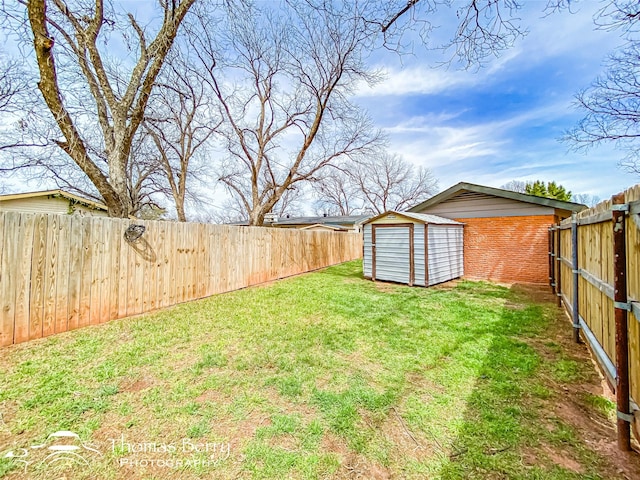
(498, 192)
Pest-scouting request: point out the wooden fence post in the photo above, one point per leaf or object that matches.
(576, 273)
(622, 306)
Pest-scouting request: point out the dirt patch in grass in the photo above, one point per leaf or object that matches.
(137, 385)
(568, 403)
(355, 466)
(386, 286)
(349, 380)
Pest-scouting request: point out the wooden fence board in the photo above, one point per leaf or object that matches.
(62, 285)
(97, 236)
(51, 271)
(23, 277)
(595, 255)
(38, 276)
(63, 272)
(86, 280)
(8, 278)
(123, 272)
(114, 273)
(76, 255)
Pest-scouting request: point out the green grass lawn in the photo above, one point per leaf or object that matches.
(324, 375)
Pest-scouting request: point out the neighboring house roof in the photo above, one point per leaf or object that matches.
(498, 192)
(335, 228)
(55, 193)
(420, 217)
(329, 220)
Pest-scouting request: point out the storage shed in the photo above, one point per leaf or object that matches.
(413, 248)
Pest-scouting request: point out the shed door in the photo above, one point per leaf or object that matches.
(392, 253)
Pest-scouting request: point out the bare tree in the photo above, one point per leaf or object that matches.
(90, 89)
(180, 124)
(387, 182)
(282, 87)
(485, 27)
(515, 186)
(611, 104)
(291, 202)
(375, 184)
(586, 199)
(337, 193)
(610, 107)
(13, 82)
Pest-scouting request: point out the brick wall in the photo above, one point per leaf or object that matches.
(507, 249)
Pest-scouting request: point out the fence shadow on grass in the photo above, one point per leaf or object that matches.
(502, 425)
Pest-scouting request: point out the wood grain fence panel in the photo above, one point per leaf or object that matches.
(97, 274)
(150, 268)
(63, 273)
(76, 256)
(171, 257)
(596, 256)
(23, 277)
(162, 261)
(50, 279)
(38, 277)
(107, 268)
(139, 251)
(87, 280)
(8, 277)
(132, 280)
(114, 272)
(123, 272)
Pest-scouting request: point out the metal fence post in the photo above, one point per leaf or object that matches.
(621, 306)
(576, 273)
(559, 266)
(552, 275)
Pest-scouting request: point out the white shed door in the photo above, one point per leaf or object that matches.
(392, 254)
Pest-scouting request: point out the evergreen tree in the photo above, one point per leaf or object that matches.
(548, 190)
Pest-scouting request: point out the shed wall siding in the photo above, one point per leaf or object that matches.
(507, 249)
(366, 260)
(418, 254)
(445, 253)
(478, 205)
(392, 254)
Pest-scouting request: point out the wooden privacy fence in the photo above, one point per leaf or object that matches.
(595, 272)
(61, 272)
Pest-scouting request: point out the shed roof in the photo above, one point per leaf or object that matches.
(328, 220)
(497, 192)
(419, 217)
(54, 193)
(336, 228)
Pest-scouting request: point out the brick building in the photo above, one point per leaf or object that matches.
(506, 233)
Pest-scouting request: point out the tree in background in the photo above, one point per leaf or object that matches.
(98, 75)
(179, 122)
(548, 190)
(89, 89)
(515, 186)
(375, 184)
(586, 199)
(282, 86)
(611, 105)
(13, 81)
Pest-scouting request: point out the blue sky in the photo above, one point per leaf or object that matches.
(502, 122)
